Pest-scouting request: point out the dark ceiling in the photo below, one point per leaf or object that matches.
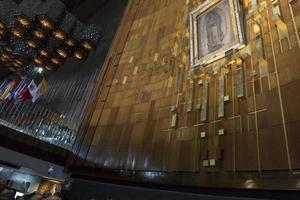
(71, 86)
(85, 8)
(82, 9)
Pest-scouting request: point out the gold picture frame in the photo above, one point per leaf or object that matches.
(215, 28)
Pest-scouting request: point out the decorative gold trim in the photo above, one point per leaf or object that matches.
(238, 35)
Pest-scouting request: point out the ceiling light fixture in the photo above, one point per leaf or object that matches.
(38, 60)
(80, 54)
(45, 22)
(46, 38)
(62, 52)
(56, 61)
(23, 21)
(32, 43)
(17, 32)
(39, 34)
(71, 42)
(44, 53)
(88, 45)
(59, 34)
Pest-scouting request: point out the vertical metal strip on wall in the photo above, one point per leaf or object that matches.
(221, 97)
(204, 101)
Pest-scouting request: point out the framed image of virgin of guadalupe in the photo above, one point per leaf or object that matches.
(215, 28)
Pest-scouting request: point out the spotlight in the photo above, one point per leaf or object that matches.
(44, 53)
(51, 67)
(62, 52)
(59, 34)
(38, 60)
(56, 61)
(45, 22)
(6, 55)
(17, 32)
(39, 34)
(8, 48)
(71, 42)
(4, 59)
(19, 62)
(15, 64)
(12, 69)
(18, 59)
(23, 21)
(88, 45)
(32, 43)
(40, 70)
(80, 54)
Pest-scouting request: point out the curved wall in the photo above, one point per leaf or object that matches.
(146, 74)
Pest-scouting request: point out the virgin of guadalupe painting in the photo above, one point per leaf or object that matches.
(214, 29)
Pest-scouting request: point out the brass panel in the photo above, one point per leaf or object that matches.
(260, 119)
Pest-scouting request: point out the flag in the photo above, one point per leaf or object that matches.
(23, 93)
(22, 90)
(43, 86)
(3, 86)
(9, 97)
(22, 84)
(31, 89)
(42, 89)
(8, 89)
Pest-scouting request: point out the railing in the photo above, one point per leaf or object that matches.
(39, 122)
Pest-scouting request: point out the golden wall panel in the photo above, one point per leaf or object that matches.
(150, 81)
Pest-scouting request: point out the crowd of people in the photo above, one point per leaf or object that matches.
(7, 193)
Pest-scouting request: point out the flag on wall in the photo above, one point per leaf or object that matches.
(9, 87)
(19, 91)
(41, 89)
(24, 94)
(9, 97)
(33, 88)
(43, 86)
(21, 86)
(3, 86)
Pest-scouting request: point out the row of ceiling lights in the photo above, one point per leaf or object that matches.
(36, 34)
